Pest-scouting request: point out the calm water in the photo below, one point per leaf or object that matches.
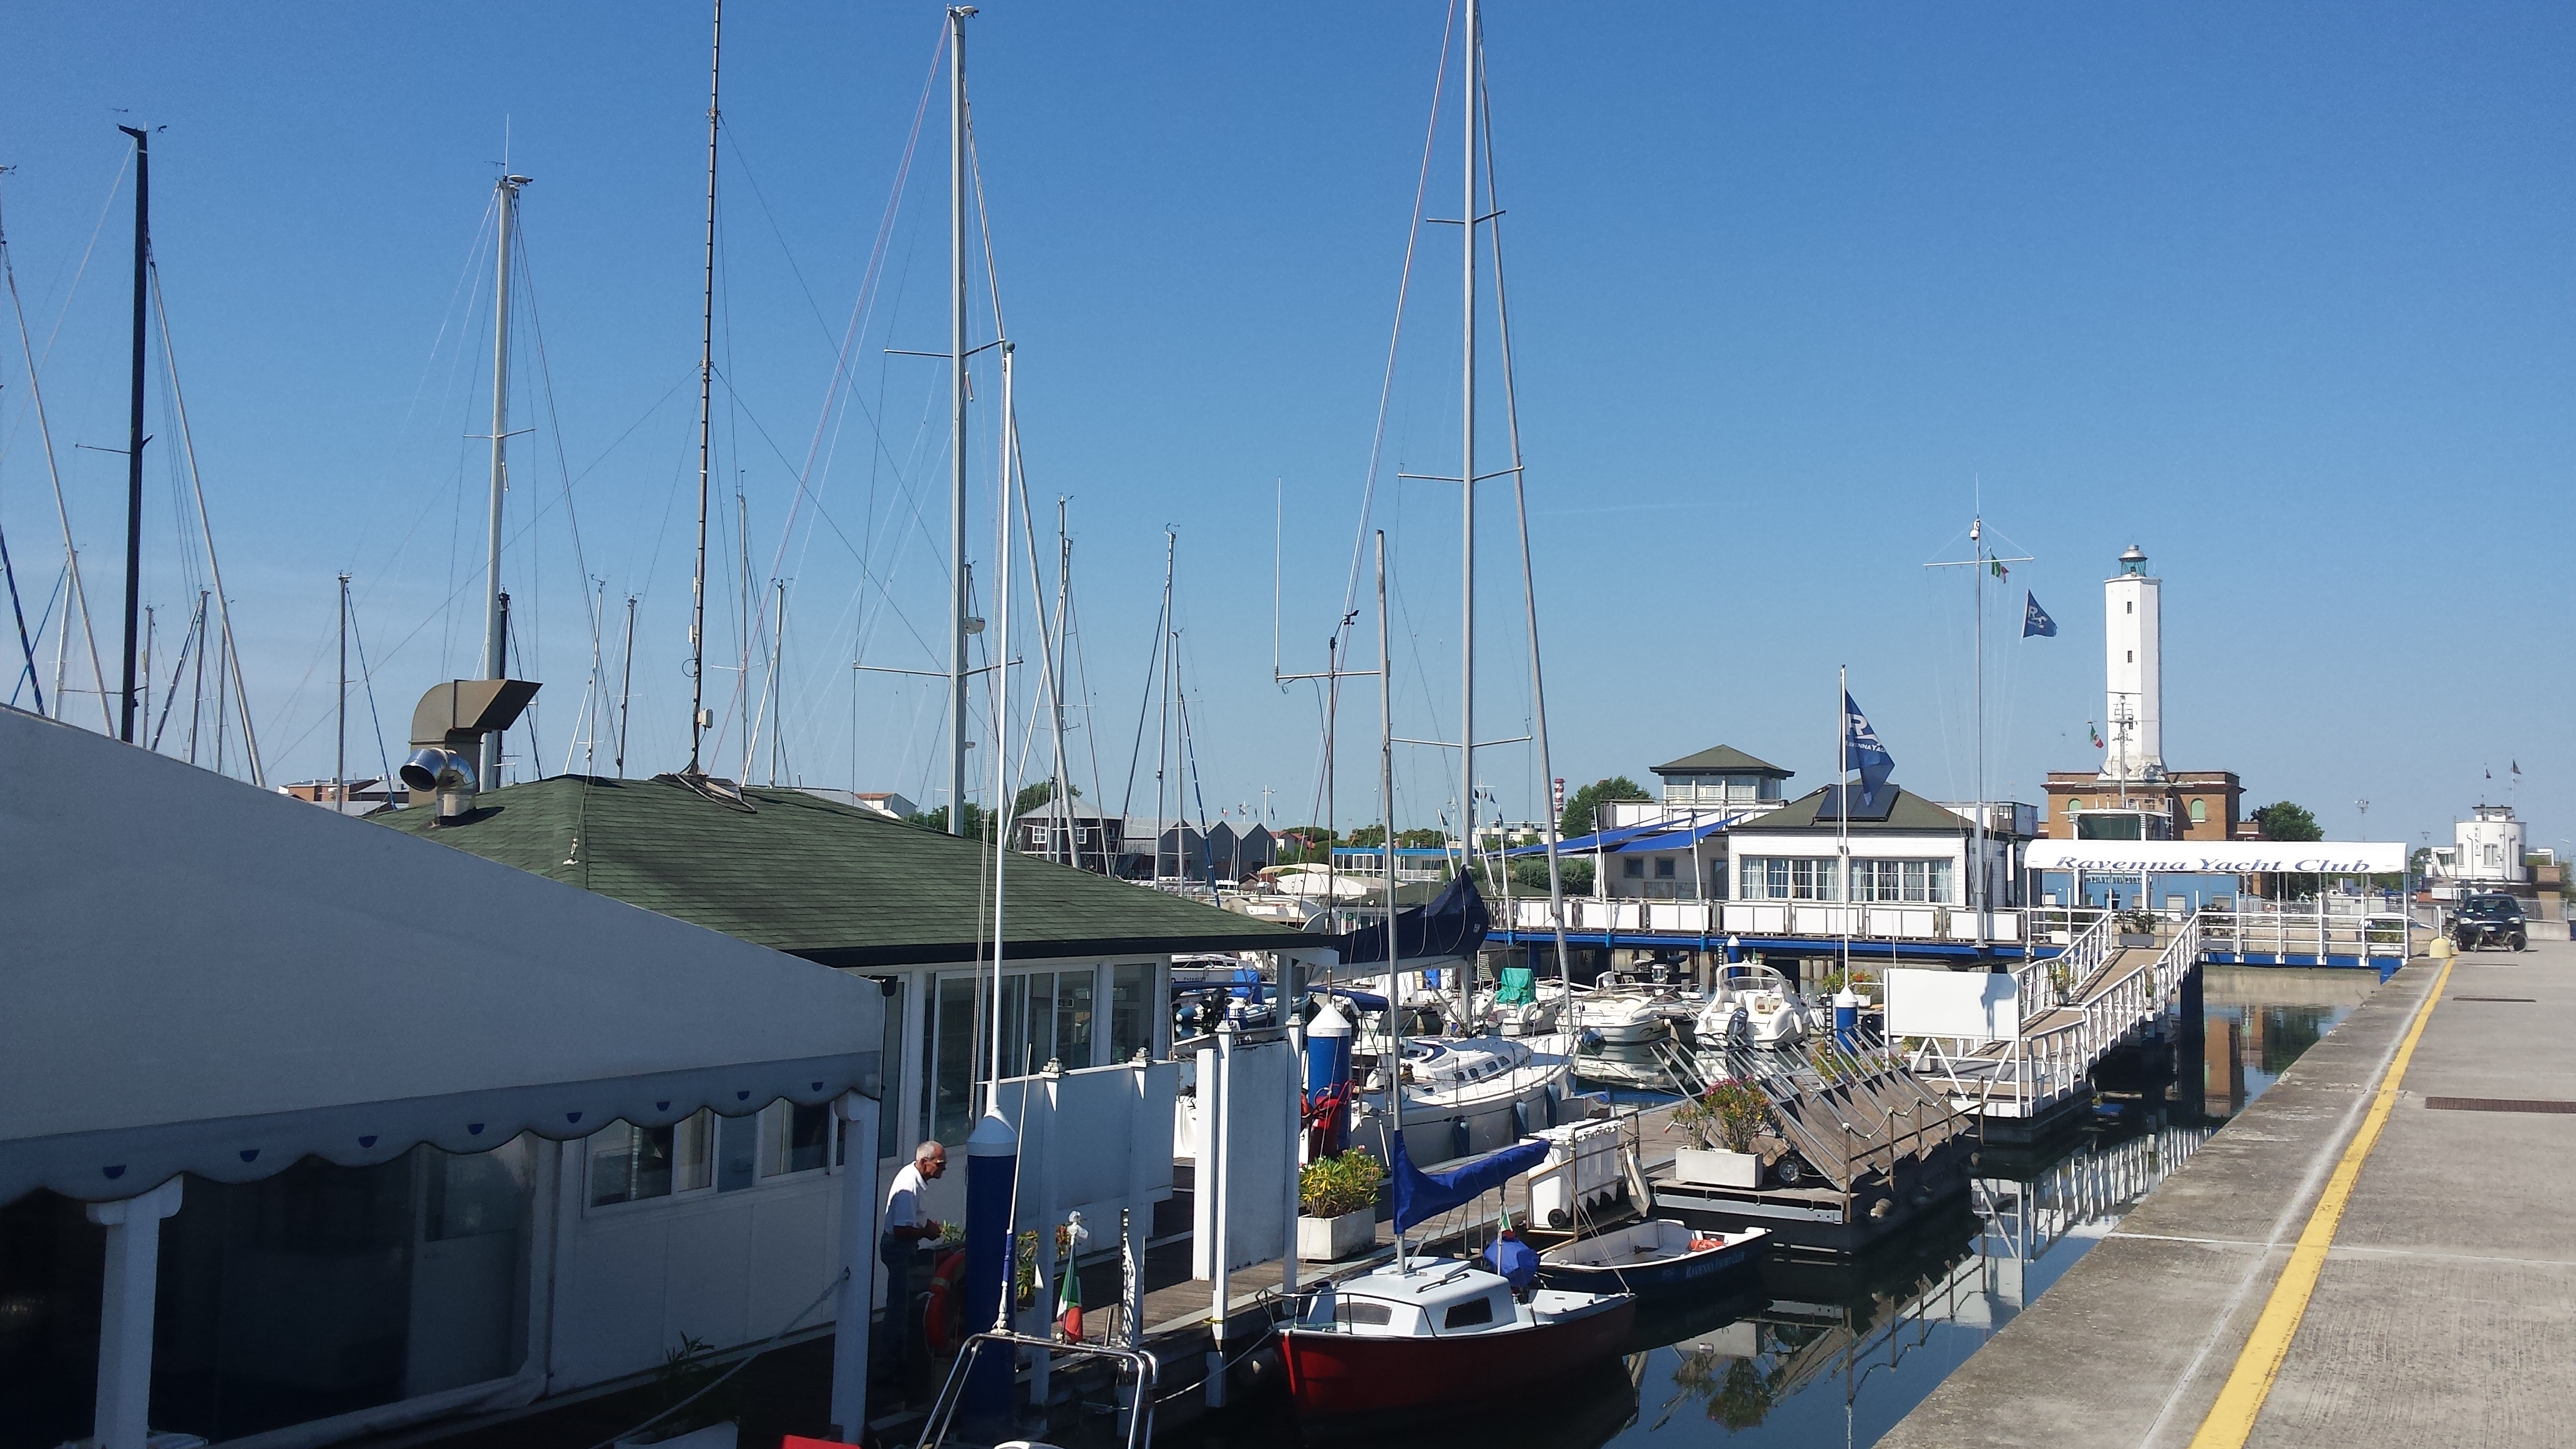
(1835, 1354)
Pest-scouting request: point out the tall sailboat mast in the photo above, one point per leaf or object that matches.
(699, 716)
(1466, 463)
(960, 602)
(495, 626)
(134, 427)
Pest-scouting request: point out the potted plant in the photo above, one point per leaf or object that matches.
(1722, 1123)
(1337, 1206)
(2137, 928)
(696, 1410)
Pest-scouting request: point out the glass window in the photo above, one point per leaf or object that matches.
(1131, 1011)
(798, 1139)
(2199, 812)
(630, 1163)
(1073, 1018)
(1663, 867)
(949, 1036)
(1470, 1313)
(1773, 878)
(1632, 869)
(2074, 807)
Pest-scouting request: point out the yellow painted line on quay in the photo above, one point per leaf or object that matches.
(2231, 1420)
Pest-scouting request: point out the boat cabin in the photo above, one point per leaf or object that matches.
(1441, 1298)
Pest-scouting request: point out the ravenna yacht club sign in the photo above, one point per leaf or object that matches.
(2219, 857)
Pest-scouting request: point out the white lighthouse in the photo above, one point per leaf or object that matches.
(2133, 634)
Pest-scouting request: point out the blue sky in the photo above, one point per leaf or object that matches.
(2280, 294)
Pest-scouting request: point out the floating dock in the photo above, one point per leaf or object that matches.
(2375, 1252)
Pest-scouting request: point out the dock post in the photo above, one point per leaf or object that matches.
(125, 1316)
(990, 1156)
(858, 1291)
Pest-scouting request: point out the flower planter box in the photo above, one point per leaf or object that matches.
(2137, 938)
(1717, 1167)
(1329, 1240)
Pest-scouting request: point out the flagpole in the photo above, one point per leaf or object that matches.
(1842, 807)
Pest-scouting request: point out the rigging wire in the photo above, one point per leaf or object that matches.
(77, 595)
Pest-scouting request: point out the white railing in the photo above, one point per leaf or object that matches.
(2385, 935)
(2045, 983)
(1813, 920)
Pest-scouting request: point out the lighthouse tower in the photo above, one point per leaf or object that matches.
(2133, 633)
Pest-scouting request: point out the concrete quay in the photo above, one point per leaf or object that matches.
(2303, 1282)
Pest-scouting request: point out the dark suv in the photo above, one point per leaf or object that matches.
(2490, 920)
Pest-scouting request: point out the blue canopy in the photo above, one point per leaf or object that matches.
(1586, 844)
(1676, 840)
(1421, 1196)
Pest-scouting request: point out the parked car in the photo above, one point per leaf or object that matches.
(2490, 920)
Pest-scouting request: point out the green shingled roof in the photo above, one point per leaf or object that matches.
(1909, 813)
(1721, 760)
(821, 880)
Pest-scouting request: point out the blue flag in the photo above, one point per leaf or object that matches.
(2034, 619)
(1863, 752)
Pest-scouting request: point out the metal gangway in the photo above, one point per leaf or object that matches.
(2114, 979)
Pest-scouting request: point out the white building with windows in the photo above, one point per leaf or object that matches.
(1902, 849)
(310, 1130)
(2487, 853)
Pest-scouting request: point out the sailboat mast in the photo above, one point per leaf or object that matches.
(1393, 1068)
(699, 718)
(1977, 864)
(134, 428)
(960, 603)
(1466, 466)
(340, 758)
(495, 645)
(625, 686)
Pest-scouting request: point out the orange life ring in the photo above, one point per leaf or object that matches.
(943, 1312)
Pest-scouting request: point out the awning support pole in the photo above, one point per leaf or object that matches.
(125, 1314)
(859, 1259)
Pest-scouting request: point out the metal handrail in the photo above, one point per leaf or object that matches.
(943, 1410)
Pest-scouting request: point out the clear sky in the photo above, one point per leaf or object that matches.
(2282, 294)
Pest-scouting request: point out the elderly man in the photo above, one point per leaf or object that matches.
(903, 1232)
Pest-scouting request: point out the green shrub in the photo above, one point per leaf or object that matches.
(1332, 1186)
(1730, 1114)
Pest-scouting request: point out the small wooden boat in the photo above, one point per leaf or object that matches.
(1653, 1259)
(1390, 1340)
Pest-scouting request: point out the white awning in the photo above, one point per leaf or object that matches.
(2219, 857)
(199, 976)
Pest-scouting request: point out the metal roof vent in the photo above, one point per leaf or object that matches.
(447, 730)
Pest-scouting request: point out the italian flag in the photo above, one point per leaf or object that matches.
(2095, 733)
(1068, 1303)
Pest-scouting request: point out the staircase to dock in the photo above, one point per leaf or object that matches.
(2074, 1009)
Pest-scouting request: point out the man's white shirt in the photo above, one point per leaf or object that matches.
(903, 1200)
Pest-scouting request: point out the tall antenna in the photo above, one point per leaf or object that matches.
(134, 429)
(495, 621)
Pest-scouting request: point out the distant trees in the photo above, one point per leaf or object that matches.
(1033, 796)
(1584, 804)
(2282, 820)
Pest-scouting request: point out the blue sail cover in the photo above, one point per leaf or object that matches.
(1451, 927)
(1421, 1196)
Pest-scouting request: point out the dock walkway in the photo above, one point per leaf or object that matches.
(2446, 1294)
